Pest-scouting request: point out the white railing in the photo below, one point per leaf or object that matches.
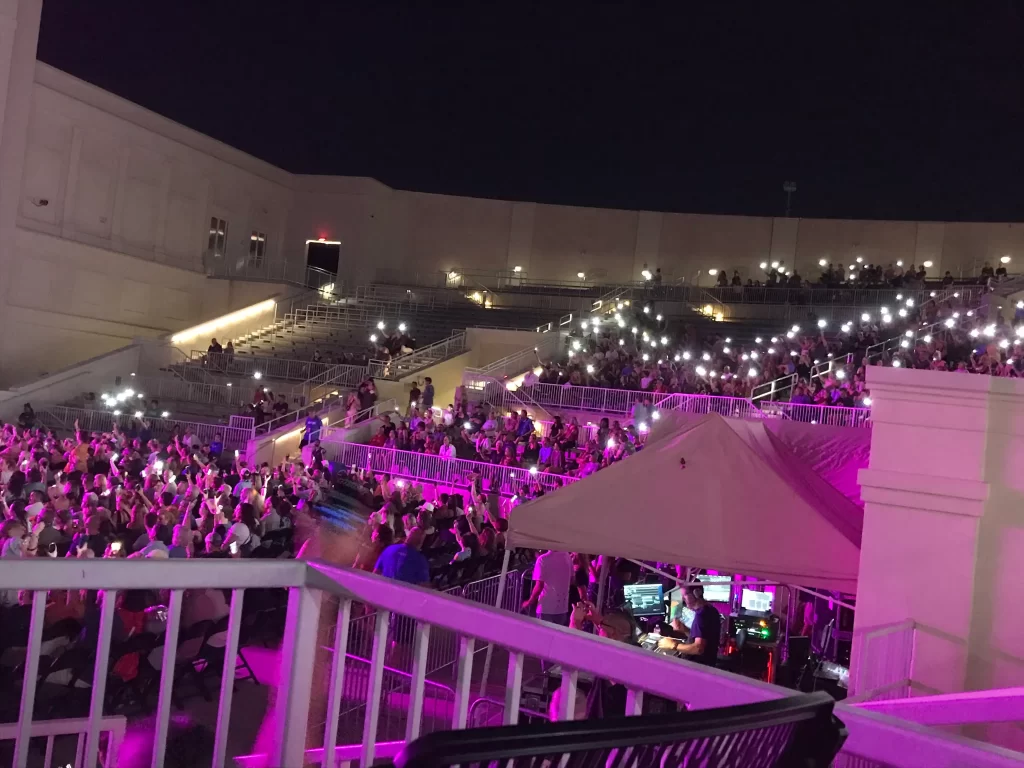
(167, 388)
(498, 393)
(312, 677)
(523, 360)
(896, 342)
(454, 473)
(347, 376)
(246, 365)
(103, 421)
(328, 407)
(777, 387)
(621, 401)
(112, 727)
(882, 666)
(808, 413)
(405, 365)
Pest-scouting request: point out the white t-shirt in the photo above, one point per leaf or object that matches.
(240, 532)
(555, 570)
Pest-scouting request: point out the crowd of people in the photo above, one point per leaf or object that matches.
(976, 344)
(458, 537)
(860, 274)
(482, 433)
(643, 354)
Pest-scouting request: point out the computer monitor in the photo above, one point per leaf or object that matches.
(645, 599)
(716, 593)
(759, 602)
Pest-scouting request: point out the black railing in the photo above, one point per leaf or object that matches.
(794, 731)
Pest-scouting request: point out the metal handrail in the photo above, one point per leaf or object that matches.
(774, 388)
(454, 473)
(102, 421)
(519, 399)
(406, 365)
(872, 736)
(246, 364)
(848, 294)
(517, 362)
(623, 401)
(482, 700)
(939, 326)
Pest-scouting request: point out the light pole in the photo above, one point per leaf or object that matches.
(789, 187)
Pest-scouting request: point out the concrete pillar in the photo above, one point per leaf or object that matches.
(785, 233)
(944, 527)
(520, 236)
(928, 242)
(648, 244)
(19, 34)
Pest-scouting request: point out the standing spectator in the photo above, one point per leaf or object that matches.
(27, 417)
(447, 450)
(311, 431)
(404, 561)
(414, 395)
(428, 393)
(552, 576)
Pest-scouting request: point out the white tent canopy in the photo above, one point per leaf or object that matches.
(744, 504)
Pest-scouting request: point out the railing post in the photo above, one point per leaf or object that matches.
(295, 690)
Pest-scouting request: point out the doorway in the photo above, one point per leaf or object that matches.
(323, 255)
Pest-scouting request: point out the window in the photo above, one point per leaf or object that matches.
(218, 237)
(257, 248)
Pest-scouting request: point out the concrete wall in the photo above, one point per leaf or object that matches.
(400, 234)
(489, 344)
(91, 376)
(111, 219)
(944, 528)
(117, 176)
(65, 302)
(103, 239)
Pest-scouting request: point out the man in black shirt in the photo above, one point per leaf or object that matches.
(704, 632)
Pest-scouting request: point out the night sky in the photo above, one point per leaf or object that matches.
(875, 110)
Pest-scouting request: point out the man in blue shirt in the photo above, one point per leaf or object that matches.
(525, 427)
(312, 430)
(404, 561)
(705, 631)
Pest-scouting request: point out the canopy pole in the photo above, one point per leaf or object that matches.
(602, 582)
(497, 604)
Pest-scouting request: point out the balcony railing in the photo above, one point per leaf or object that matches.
(312, 677)
(547, 345)
(451, 473)
(406, 365)
(168, 388)
(245, 365)
(294, 272)
(621, 401)
(234, 434)
(505, 281)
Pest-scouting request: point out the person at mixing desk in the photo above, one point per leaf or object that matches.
(703, 637)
